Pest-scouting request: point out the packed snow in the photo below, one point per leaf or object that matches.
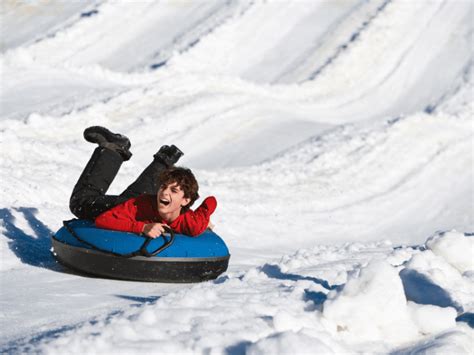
(337, 137)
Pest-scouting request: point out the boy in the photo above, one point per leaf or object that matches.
(161, 195)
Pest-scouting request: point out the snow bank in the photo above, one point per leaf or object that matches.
(429, 278)
(371, 307)
(456, 248)
(432, 319)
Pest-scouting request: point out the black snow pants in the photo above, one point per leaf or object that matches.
(89, 199)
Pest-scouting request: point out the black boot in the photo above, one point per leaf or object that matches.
(113, 141)
(168, 155)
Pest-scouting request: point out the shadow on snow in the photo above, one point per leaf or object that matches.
(420, 289)
(274, 271)
(34, 249)
(138, 299)
(316, 297)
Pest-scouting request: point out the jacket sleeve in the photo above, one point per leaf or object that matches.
(195, 222)
(121, 218)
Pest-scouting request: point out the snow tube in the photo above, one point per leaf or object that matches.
(170, 258)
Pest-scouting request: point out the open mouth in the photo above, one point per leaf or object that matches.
(164, 202)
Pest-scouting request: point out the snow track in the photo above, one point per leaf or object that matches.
(333, 134)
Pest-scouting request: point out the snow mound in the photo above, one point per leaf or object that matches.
(432, 319)
(302, 342)
(371, 307)
(456, 248)
(430, 279)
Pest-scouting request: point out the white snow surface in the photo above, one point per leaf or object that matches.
(337, 137)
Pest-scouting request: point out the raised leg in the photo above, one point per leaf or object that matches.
(147, 182)
(88, 198)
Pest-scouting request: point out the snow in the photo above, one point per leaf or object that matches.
(371, 307)
(454, 248)
(291, 342)
(337, 137)
(432, 319)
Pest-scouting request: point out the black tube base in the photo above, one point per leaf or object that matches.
(139, 268)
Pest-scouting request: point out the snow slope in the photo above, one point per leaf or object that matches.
(337, 137)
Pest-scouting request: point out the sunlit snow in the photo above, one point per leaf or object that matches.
(337, 137)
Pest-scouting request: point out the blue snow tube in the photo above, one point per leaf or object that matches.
(128, 256)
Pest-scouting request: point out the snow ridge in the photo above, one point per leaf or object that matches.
(352, 38)
(336, 137)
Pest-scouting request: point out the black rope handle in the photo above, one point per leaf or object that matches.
(168, 243)
(140, 252)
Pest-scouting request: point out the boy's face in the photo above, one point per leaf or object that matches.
(170, 199)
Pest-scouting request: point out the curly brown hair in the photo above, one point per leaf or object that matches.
(186, 180)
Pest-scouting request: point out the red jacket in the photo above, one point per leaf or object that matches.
(133, 214)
